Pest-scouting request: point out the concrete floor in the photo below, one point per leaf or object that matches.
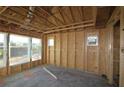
(38, 77)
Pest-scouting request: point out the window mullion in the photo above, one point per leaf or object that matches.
(7, 52)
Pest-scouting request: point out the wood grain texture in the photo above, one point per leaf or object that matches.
(121, 48)
(57, 48)
(64, 45)
(103, 52)
(71, 49)
(3, 72)
(80, 42)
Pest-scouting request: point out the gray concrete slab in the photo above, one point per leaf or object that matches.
(38, 77)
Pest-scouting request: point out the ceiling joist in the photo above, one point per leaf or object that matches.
(73, 24)
(10, 20)
(61, 15)
(24, 16)
(73, 20)
(85, 24)
(39, 16)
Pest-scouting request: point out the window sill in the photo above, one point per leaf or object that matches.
(18, 63)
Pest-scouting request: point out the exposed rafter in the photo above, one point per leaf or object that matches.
(80, 12)
(82, 8)
(94, 14)
(29, 16)
(10, 20)
(72, 14)
(61, 15)
(52, 18)
(115, 16)
(65, 14)
(3, 9)
(51, 15)
(39, 16)
(23, 17)
(103, 15)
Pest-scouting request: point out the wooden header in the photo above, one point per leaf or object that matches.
(84, 24)
(17, 30)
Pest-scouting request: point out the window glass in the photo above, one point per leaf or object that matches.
(36, 49)
(2, 50)
(19, 49)
(92, 40)
(50, 42)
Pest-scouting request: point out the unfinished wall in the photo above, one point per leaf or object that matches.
(71, 50)
(122, 48)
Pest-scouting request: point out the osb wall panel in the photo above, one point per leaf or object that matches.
(122, 48)
(71, 49)
(14, 69)
(19, 68)
(74, 52)
(57, 48)
(25, 66)
(109, 54)
(3, 72)
(64, 43)
(103, 51)
(36, 63)
(80, 49)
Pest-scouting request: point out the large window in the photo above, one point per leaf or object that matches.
(19, 49)
(3, 50)
(36, 49)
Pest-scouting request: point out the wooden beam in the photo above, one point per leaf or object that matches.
(69, 28)
(46, 16)
(80, 12)
(62, 15)
(4, 9)
(73, 20)
(39, 16)
(65, 14)
(51, 15)
(25, 16)
(3, 17)
(82, 8)
(73, 24)
(114, 17)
